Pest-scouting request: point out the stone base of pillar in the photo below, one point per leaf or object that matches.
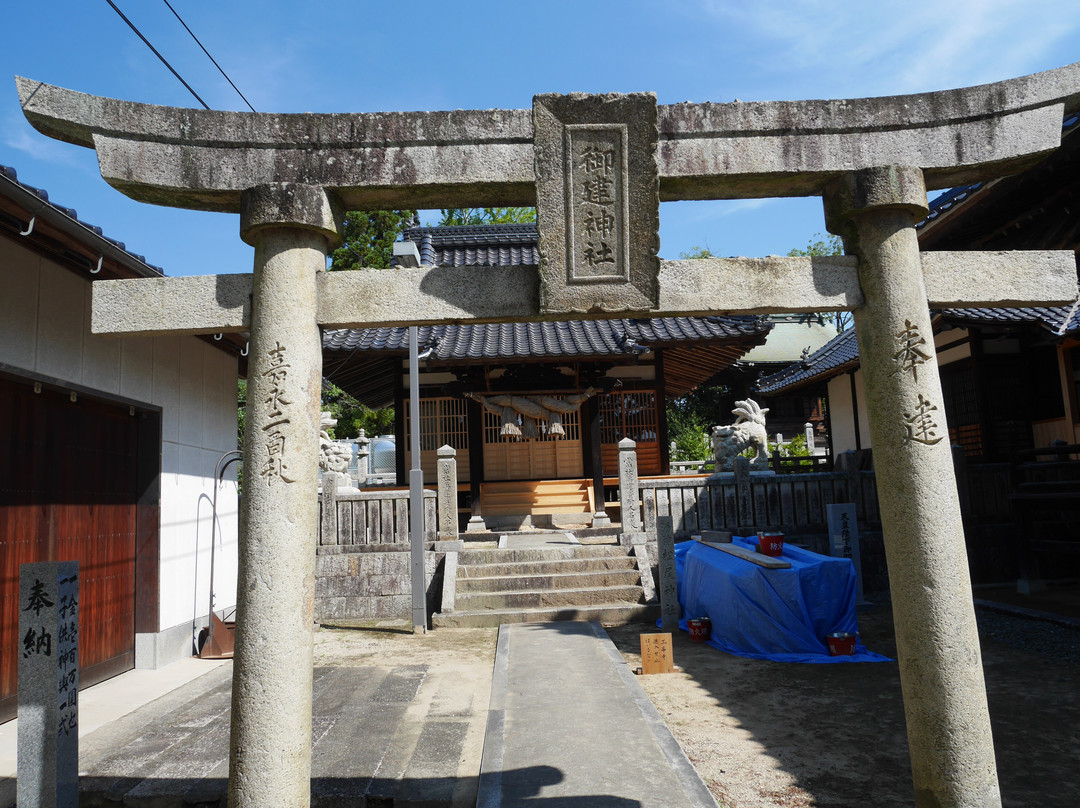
(1031, 586)
(601, 519)
(476, 523)
(628, 539)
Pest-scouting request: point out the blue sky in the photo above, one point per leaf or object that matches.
(337, 56)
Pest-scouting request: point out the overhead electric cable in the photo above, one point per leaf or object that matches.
(131, 25)
(208, 56)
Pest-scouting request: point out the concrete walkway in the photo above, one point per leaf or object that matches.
(566, 724)
(570, 726)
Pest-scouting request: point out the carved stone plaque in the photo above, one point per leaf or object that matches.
(598, 202)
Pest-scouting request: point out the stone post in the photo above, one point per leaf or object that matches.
(48, 733)
(363, 455)
(952, 752)
(669, 587)
(446, 473)
(808, 433)
(632, 531)
(291, 228)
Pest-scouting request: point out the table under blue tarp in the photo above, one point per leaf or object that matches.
(777, 614)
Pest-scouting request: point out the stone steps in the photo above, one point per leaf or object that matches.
(559, 567)
(608, 614)
(550, 553)
(548, 580)
(552, 597)
(556, 582)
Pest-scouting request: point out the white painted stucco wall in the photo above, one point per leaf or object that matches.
(44, 330)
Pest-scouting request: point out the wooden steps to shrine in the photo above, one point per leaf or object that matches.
(582, 582)
(546, 497)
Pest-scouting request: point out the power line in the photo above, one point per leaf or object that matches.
(208, 56)
(158, 55)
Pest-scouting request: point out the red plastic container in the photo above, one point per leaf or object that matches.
(771, 544)
(700, 628)
(840, 643)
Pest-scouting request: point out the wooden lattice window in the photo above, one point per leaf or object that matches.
(443, 422)
(628, 414)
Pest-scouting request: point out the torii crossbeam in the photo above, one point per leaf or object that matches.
(597, 168)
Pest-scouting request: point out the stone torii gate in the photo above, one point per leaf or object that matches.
(596, 167)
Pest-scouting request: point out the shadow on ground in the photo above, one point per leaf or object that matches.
(791, 735)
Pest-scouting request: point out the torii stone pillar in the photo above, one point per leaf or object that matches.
(937, 640)
(291, 228)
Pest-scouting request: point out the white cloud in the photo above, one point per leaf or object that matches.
(887, 46)
(20, 136)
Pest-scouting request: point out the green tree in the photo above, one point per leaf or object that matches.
(472, 216)
(352, 416)
(369, 237)
(692, 417)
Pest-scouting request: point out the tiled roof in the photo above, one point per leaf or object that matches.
(1059, 320)
(834, 357)
(67, 219)
(476, 245)
(842, 353)
(953, 198)
(537, 340)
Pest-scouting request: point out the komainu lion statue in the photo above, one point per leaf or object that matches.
(747, 432)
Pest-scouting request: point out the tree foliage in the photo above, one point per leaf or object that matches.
(473, 216)
(369, 237)
(697, 252)
(352, 416)
(829, 245)
(692, 417)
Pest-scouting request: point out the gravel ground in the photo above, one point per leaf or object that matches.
(775, 735)
(1055, 643)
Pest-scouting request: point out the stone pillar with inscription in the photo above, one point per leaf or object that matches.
(629, 502)
(447, 492)
(48, 734)
(292, 228)
(952, 752)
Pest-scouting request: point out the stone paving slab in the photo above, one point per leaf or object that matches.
(569, 725)
(391, 736)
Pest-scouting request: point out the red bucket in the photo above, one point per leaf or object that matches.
(840, 643)
(700, 628)
(771, 544)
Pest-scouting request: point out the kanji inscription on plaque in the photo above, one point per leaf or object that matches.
(598, 201)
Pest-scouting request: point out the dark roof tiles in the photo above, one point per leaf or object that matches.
(521, 340)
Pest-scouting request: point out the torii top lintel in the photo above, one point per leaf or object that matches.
(205, 159)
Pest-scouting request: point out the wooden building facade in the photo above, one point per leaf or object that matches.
(625, 369)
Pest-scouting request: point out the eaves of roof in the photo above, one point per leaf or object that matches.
(533, 341)
(838, 355)
(66, 220)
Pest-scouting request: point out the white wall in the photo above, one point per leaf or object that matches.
(841, 418)
(44, 329)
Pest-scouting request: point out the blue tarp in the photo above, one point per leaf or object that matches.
(781, 614)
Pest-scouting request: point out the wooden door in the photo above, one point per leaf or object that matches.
(68, 492)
